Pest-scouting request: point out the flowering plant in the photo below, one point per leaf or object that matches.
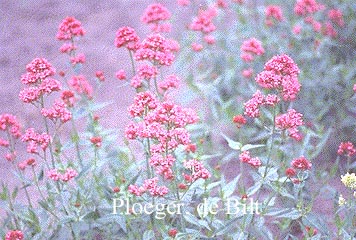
(244, 163)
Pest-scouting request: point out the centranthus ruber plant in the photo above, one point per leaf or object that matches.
(241, 127)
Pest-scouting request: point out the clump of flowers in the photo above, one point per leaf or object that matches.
(81, 86)
(245, 157)
(347, 149)
(38, 80)
(9, 122)
(273, 14)
(307, 7)
(34, 140)
(156, 15)
(126, 37)
(156, 49)
(250, 48)
(14, 235)
(290, 121)
(58, 111)
(281, 73)
(336, 16)
(56, 175)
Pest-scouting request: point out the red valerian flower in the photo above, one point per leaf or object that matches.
(301, 163)
(347, 149)
(290, 172)
(69, 28)
(14, 235)
(172, 232)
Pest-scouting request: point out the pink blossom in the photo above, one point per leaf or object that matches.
(30, 94)
(297, 29)
(247, 73)
(147, 72)
(142, 100)
(67, 48)
(81, 85)
(245, 156)
(70, 28)
(80, 58)
(35, 139)
(253, 46)
(96, 141)
(301, 163)
(4, 143)
(336, 16)
(14, 235)
(274, 12)
(37, 70)
(171, 81)
(50, 85)
(154, 13)
(183, 2)
(156, 49)
(346, 148)
(8, 122)
(252, 105)
(58, 111)
(126, 37)
(204, 21)
(329, 30)
(197, 169)
(290, 121)
(305, 7)
(121, 75)
(197, 47)
(209, 39)
(135, 190)
(54, 174)
(69, 174)
(68, 98)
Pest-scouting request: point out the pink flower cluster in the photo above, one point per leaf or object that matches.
(171, 81)
(290, 121)
(70, 28)
(154, 14)
(55, 175)
(204, 21)
(149, 185)
(126, 37)
(301, 163)
(58, 111)
(68, 98)
(37, 70)
(252, 106)
(281, 73)
(8, 122)
(307, 7)
(336, 16)
(163, 165)
(245, 157)
(250, 48)
(37, 77)
(273, 13)
(183, 2)
(29, 162)
(156, 49)
(197, 169)
(14, 235)
(96, 141)
(81, 86)
(34, 140)
(347, 149)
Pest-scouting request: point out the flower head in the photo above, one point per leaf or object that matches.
(14, 235)
(126, 37)
(69, 28)
(301, 163)
(346, 148)
(349, 180)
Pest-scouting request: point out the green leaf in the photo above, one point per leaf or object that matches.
(251, 146)
(289, 213)
(14, 193)
(148, 234)
(232, 144)
(252, 190)
(229, 188)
